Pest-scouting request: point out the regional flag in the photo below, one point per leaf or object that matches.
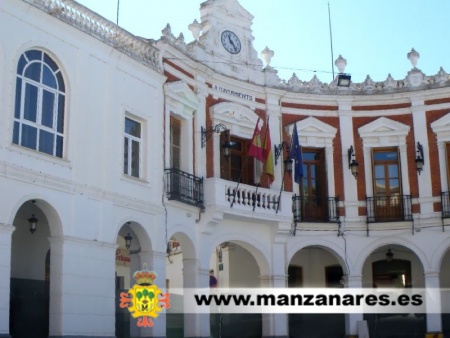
(296, 155)
(256, 149)
(268, 155)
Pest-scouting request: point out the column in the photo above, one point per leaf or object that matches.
(276, 325)
(347, 140)
(6, 231)
(156, 261)
(433, 302)
(82, 287)
(200, 121)
(276, 137)
(421, 135)
(352, 319)
(195, 325)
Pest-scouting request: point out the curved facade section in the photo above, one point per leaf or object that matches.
(178, 157)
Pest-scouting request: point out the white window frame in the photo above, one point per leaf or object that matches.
(384, 132)
(131, 138)
(21, 121)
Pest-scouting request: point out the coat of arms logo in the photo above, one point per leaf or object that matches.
(144, 300)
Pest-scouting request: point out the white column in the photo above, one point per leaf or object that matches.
(276, 137)
(156, 261)
(199, 122)
(352, 319)
(6, 231)
(347, 140)
(82, 287)
(421, 135)
(195, 325)
(276, 325)
(433, 302)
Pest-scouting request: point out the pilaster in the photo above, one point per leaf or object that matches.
(352, 319)
(433, 302)
(6, 231)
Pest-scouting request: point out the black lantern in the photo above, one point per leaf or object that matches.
(288, 165)
(227, 148)
(389, 255)
(419, 159)
(352, 164)
(33, 223)
(128, 239)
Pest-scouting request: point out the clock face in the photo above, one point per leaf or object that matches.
(230, 42)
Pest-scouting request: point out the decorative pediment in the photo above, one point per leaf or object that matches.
(383, 127)
(313, 132)
(239, 119)
(441, 128)
(180, 93)
(384, 132)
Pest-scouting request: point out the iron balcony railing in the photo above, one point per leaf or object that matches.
(389, 208)
(184, 187)
(315, 209)
(445, 204)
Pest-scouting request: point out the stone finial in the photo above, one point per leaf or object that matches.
(267, 55)
(413, 56)
(195, 29)
(340, 63)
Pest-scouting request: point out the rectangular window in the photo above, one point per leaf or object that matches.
(386, 182)
(132, 148)
(175, 143)
(313, 189)
(239, 166)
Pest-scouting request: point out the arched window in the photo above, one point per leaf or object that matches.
(39, 106)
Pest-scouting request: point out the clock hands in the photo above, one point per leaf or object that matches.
(231, 41)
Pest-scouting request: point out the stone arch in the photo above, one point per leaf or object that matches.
(329, 246)
(370, 248)
(255, 248)
(46, 204)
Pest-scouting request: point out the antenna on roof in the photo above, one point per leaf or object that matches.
(117, 17)
(331, 41)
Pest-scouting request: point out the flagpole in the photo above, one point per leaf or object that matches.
(117, 17)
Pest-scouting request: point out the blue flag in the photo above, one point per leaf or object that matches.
(296, 155)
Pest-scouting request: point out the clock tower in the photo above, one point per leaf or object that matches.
(224, 40)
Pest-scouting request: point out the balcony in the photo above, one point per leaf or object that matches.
(247, 200)
(395, 208)
(445, 204)
(184, 187)
(315, 209)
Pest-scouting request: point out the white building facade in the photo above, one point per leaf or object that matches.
(112, 145)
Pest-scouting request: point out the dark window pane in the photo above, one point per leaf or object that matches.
(33, 71)
(135, 159)
(18, 97)
(48, 105)
(59, 146)
(21, 64)
(30, 105)
(34, 55)
(310, 156)
(46, 140)
(385, 156)
(48, 78)
(125, 156)
(16, 132)
(393, 170)
(379, 171)
(49, 61)
(60, 122)
(132, 127)
(60, 80)
(29, 136)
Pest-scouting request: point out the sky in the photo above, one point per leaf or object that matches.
(373, 36)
